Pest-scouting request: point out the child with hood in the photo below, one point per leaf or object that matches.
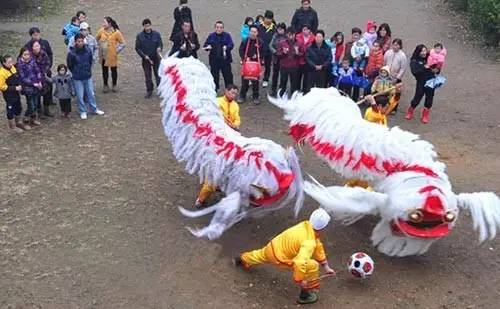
(371, 33)
(383, 82)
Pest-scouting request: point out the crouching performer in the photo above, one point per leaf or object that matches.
(299, 248)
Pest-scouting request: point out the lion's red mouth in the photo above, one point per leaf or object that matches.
(424, 229)
(430, 221)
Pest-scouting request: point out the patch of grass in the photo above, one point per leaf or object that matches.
(11, 42)
(483, 15)
(15, 10)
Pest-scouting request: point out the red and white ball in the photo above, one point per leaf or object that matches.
(361, 265)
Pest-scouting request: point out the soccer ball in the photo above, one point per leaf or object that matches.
(361, 265)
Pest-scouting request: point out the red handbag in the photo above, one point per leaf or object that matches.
(251, 70)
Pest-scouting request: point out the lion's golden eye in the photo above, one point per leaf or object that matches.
(416, 216)
(449, 217)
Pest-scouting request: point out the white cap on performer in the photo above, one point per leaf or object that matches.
(84, 26)
(319, 219)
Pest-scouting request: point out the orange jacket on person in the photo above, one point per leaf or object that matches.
(375, 62)
(111, 44)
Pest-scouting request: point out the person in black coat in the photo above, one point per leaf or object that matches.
(181, 13)
(422, 73)
(250, 49)
(266, 32)
(319, 59)
(220, 45)
(306, 15)
(148, 45)
(186, 42)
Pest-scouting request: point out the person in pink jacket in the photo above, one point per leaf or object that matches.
(437, 56)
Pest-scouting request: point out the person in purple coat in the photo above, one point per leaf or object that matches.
(43, 61)
(220, 45)
(31, 82)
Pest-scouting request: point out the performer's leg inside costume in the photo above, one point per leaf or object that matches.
(352, 183)
(258, 257)
(311, 275)
(266, 255)
(206, 191)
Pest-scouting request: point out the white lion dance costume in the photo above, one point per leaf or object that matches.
(256, 175)
(413, 195)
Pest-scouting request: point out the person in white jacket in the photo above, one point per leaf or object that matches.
(397, 62)
(360, 52)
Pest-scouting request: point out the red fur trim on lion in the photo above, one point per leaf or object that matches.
(335, 153)
(222, 146)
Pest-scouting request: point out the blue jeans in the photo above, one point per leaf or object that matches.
(85, 87)
(32, 101)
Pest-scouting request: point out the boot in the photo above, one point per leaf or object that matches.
(13, 127)
(34, 120)
(46, 111)
(425, 115)
(237, 262)
(409, 113)
(307, 297)
(21, 125)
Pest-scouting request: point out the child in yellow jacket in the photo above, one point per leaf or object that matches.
(377, 112)
(299, 249)
(231, 113)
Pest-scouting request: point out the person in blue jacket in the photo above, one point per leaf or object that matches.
(79, 62)
(71, 29)
(220, 45)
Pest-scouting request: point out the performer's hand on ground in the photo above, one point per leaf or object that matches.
(329, 270)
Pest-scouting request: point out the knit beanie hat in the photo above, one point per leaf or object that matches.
(319, 219)
(370, 24)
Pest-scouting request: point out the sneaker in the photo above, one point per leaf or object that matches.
(99, 112)
(148, 95)
(256, 101)
(241, 100)
(307, 297)
(105, 89)
(83, 116)
(114, 89)
(265, 84)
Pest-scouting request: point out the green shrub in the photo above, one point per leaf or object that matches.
(484, 16)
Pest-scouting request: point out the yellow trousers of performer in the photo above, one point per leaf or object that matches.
(206, 191)
(352, 183)
(309, 273)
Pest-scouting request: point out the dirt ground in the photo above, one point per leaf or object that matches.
(88, 209)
